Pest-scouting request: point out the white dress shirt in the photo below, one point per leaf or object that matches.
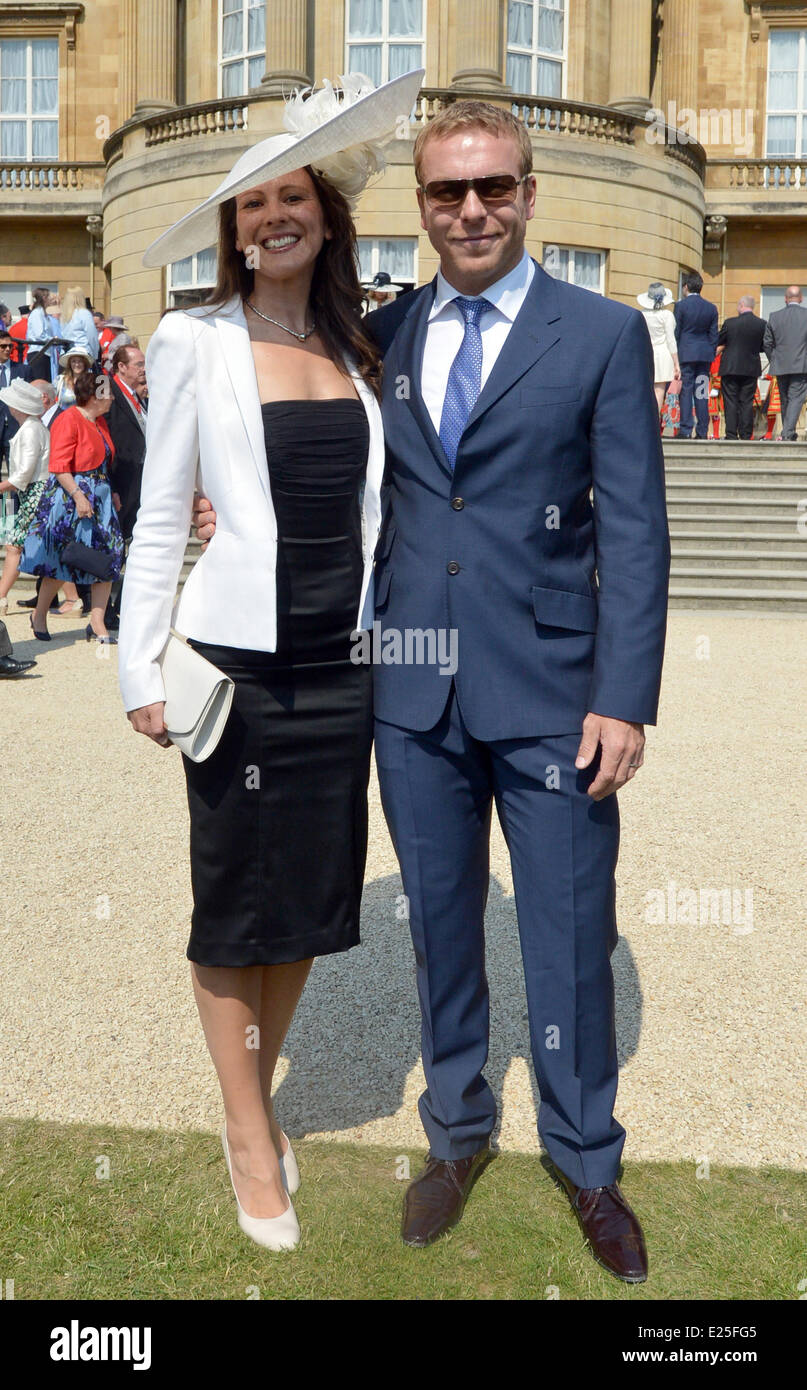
(446, 330)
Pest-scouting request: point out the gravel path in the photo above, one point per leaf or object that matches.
(98, 1022)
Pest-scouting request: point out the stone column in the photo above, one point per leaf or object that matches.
(479, 26)
(286, 46)
(127, 80)
(156, 56)
(629, 81)
(679, 55)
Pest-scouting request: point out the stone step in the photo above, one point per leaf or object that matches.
(794, 581)
(734, 452)
(761, 600)
(759, 541)
(750, 561)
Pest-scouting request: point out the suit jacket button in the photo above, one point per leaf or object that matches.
(457, 503)
(453, 567)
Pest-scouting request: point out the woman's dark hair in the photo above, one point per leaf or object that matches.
(336, 295)
(41, 296)
(84, 388)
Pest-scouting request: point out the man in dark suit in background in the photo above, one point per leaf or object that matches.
(127, 426)
(741, 339)
(785, 342)
(696, 332)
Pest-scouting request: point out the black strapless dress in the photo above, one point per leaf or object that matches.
(279, 811)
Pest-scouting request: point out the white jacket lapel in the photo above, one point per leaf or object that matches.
(233, 338)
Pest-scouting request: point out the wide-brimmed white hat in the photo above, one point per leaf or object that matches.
(75, 352)
(22, 396)
(646, 300)
(339, 134)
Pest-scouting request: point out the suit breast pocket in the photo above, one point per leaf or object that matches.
(530, 396)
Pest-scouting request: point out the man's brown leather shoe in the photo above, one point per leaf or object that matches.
(611, 1228)
(436, 1199)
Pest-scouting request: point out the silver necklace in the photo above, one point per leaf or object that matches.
(301, 337)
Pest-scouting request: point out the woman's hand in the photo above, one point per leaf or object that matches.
(148, 720)
(83, 504)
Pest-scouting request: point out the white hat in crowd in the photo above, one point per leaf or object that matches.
(339, 135)
(657, 296)
(75, 351)
(22, 396)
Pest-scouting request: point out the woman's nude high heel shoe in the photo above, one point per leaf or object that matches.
(273, 1232)
(289, 1171)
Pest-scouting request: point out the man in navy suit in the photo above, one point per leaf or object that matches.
(9, 371)
(508, 396)
(696, 334)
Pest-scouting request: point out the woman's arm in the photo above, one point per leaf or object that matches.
(163, 521)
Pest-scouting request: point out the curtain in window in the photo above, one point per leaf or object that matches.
(549, 79)
(206, 264)
(404, 57)
(550, 25)
(405, 19)
(45, 67)
(12, 77)
(256, 24)
(256, 70)
(365, 20)
(783, 65)
(182, 272)
(232, 28)
(587, 269)
(366, 58)
(519, 72)
(397, 256)
(781, 135)
(519, 23)
(45, 144)
(556, 262)
(232, 80)
(12, 140)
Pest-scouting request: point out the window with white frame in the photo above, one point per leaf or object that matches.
(536, 46)
(385, 38)
(191, 279)
(29, 99)
(242, 46)
(576, 265)
(786, 123)
(396, 255)
(772, 298)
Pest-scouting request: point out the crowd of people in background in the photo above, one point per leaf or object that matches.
(73, 407)
(708, 377)
(74, 453)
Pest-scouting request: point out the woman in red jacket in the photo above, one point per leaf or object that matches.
(77, 503)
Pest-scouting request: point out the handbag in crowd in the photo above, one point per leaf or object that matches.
(75, 555)
(9, 506)
(198, 697)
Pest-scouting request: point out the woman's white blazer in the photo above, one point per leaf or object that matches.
(205, 432)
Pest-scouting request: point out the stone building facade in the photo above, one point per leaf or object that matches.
(668, 135)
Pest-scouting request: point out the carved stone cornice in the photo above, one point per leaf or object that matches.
(774, 12)
(38, 12)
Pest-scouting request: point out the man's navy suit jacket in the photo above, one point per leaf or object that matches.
(559, 603)
(695, 329)
(8, 425)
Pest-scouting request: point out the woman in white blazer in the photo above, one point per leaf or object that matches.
(266, 400)
(661, 327)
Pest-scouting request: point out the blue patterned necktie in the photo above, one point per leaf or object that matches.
(464, 378)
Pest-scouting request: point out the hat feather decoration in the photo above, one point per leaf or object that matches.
(350, 169)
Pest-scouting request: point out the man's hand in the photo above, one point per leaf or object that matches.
(148, 720)
(622, 752)
(203, 518)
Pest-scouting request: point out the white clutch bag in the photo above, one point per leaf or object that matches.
(198, 697)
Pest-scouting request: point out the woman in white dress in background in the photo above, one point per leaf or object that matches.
(661, 327)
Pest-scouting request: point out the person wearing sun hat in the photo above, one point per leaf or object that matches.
(380, 290)
(661, 327)
(73, 361)
(29, 453)
(267, 395)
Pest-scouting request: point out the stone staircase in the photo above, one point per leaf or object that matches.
(733, 507)
(734, 516)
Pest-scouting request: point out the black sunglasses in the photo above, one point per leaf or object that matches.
(492, 188)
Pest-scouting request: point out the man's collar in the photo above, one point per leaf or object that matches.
(506, 295)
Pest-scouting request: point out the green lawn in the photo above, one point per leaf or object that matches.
(162, 1226)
